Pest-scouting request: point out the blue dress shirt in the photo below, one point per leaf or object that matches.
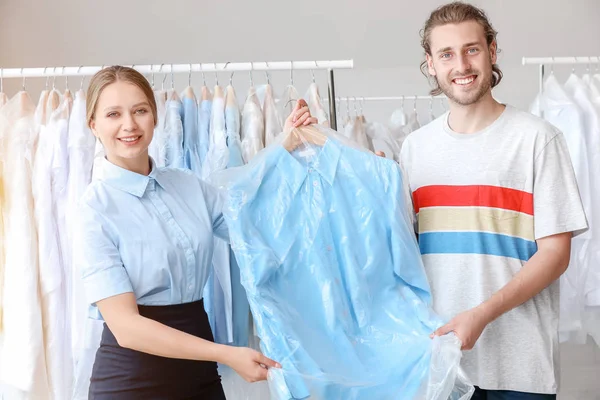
(150, 235)
(191, 138)
(333, 273)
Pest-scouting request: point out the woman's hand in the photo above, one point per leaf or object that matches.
(249, 364)
(299, 117)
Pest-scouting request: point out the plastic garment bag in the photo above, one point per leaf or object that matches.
(273, 124)
(158, 146)
(315, 105)
(288, 101)
(3, 99)
(382, 140)
(253, 126)
(217, 291)
(333, 274)
(191, 143)
(174, 134)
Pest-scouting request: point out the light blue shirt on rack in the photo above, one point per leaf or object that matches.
(150, 235)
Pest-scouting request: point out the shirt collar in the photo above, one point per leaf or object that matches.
(294, 172)
(128, 181)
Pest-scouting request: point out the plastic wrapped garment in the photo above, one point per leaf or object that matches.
(253, 126)
(382, 140)
(288, 101)
(204, 113)
(217, 291)
(273, 124)
(356, 132)
(158, 146)
(191, 143)
(3, 99)
(174, 134)
(563, 111)
(316, 107)
(333, 273)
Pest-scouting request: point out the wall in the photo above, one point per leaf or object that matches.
(382, 36)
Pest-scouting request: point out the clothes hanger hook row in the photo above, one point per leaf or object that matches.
(216, 75)
(250, 73)
(267, 73)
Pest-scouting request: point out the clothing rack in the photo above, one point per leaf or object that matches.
(543, 61)
(197, 67)
(415, 98)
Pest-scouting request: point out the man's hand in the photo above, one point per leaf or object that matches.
(467, 326)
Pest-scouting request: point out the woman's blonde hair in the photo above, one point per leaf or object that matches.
(110, 75)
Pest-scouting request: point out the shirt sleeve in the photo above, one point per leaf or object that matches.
(215, 201)
(557, 204)
(96, 254)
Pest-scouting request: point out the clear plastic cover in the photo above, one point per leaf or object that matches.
(253, 126)
(333, 274)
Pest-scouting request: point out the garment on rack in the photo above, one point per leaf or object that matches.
(288, 101)
(22, 356)
(158, 146)
(382, 140)
(368, 335)
(355, 131)
(81, 158)
(253, 126)
(273, 126)
(315, 105)
(191, 144)
(3, 99)
(174, 134)
(49, 183)
(204, 115)
(217, 293)
(559, 107)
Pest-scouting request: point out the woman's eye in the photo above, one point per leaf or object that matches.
(112, 114)
(141, 111)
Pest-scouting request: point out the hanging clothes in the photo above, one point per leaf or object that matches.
(3, 99)
(368, 336)
(81, 147)
(273, 126)
(22, 355)
(315, 105)
(217, 292)
(49, 183)
(253, 126)
(288, 101)
(240, 307)
(158, 146)
(204, 115)
(191, 144)
(557, 105)
(174, 157)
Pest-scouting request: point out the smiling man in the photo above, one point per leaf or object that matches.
(497, 204)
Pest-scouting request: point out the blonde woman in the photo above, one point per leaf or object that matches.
(144, 246)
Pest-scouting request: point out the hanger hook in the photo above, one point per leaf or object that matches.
(552, 67)
(415, 105)
(232, 73)
(152, 76)
(190, 76)
(291, 73)
(82, 78)
(1, 80)
(172, 79)
(202, 72)
(66, 78)
(267, 73)
(312, 72)
(164, 77)
(573, 70)
(216, 75)
(23, 79)
(361, 105)
(355, 110)
(54, 78)
(250, 73)
(402, 102)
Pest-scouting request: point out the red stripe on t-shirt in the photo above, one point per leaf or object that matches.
(473, 196)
